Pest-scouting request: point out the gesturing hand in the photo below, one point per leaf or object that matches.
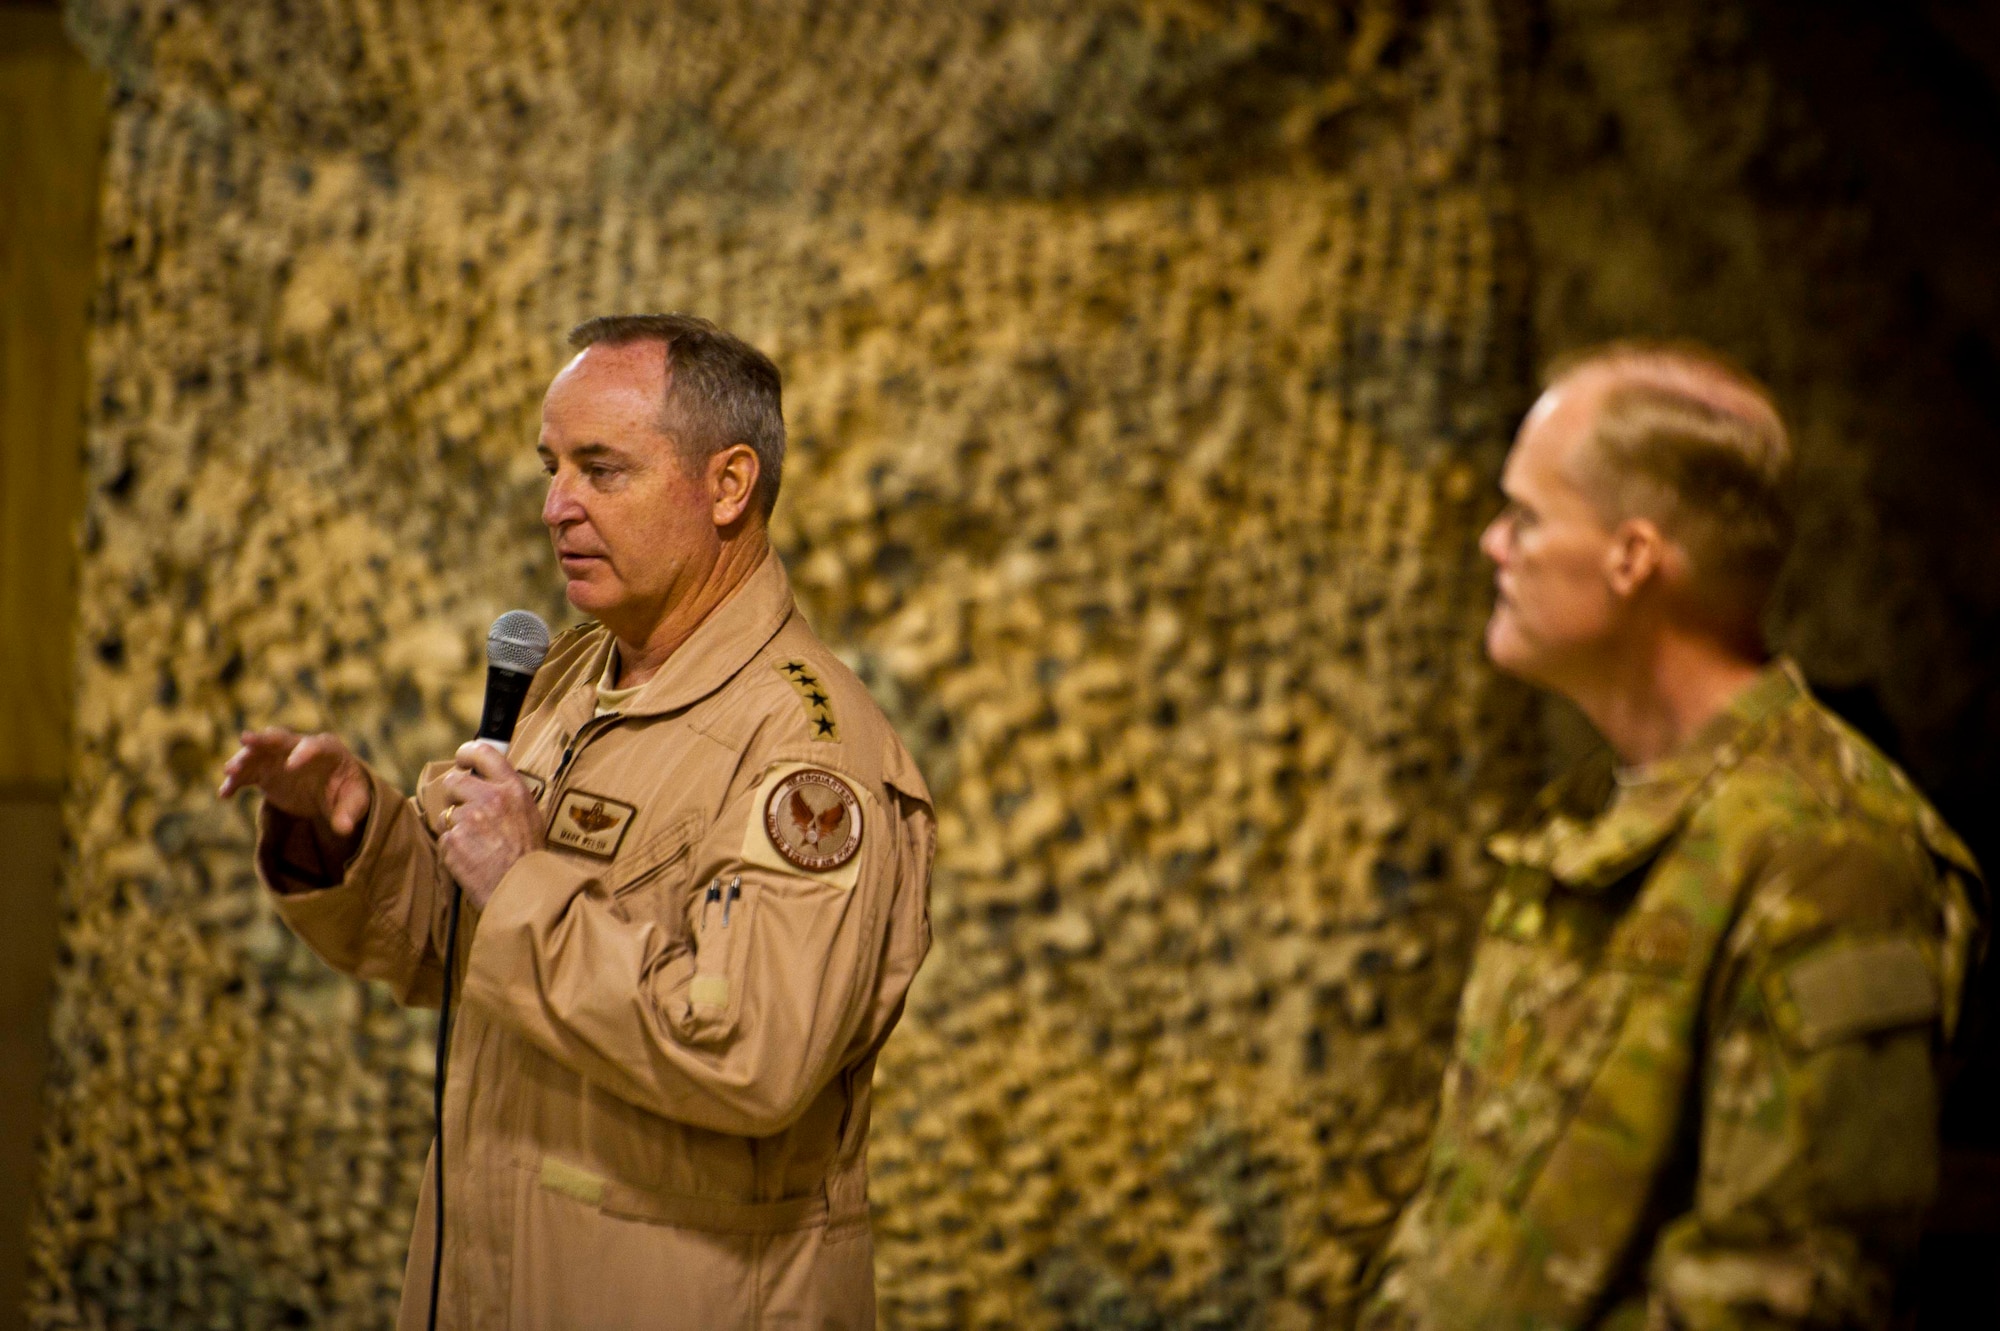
(491, 821)
(316, 778)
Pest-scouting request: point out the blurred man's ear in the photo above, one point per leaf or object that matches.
(1637, 554)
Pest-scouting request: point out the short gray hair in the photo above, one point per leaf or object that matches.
(1685, 436)
(720, 390)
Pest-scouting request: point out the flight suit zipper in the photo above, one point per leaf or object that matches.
(570, 751)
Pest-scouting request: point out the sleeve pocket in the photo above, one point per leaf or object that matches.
(725, 911)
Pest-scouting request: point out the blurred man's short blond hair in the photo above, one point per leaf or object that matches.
(1695, 443)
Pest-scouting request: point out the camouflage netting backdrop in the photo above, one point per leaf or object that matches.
(1148, 368)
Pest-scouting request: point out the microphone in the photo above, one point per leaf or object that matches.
(515, 646)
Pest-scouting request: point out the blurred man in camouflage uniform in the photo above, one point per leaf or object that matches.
(1698, 1064)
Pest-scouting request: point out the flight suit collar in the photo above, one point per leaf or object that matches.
(723, 644)
(718, 649)
(1591, 850)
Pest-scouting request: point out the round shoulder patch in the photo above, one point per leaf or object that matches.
(814, 820)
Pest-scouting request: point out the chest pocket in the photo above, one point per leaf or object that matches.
(646, 883)
(1563, 1043)
(1544, 1026)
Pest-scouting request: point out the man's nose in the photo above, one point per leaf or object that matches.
(1493, 541)
(559, 506)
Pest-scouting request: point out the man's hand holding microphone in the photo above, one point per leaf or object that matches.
(490, 821)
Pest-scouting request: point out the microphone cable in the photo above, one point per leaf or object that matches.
(437, 1098)
(516, 646)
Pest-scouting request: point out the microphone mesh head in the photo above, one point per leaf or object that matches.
(517, 641)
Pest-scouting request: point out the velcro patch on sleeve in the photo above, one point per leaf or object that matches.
(821, 723)
(565, 1178)
(807, 820)
(1852, 989)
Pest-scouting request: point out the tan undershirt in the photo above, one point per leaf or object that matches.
(610, 699)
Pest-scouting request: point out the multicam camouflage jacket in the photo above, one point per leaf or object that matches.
(1697, 1074)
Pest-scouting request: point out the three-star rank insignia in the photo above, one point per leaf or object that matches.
(813, 819)
(819, 707)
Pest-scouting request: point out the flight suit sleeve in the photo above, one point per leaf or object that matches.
(383, 917)
(729, 1006)
(1818, 1143)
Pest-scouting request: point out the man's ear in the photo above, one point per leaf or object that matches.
(732, 483)
(1637, 554)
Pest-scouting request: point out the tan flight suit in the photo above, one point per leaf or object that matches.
(658, 1096)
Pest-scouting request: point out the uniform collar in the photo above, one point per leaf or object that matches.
(720, 646)
(1585, 844)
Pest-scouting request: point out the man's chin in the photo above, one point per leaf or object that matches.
(1506, 651)
(588, 595)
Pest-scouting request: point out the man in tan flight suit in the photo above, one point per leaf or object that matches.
(1699, 1053)
(695, 892)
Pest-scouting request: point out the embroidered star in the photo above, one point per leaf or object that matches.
(814, 697)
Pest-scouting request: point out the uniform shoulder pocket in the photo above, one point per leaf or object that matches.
(1853, 987)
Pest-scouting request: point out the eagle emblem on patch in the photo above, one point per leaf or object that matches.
(814, 820)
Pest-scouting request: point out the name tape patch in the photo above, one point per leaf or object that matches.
(590, 823)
